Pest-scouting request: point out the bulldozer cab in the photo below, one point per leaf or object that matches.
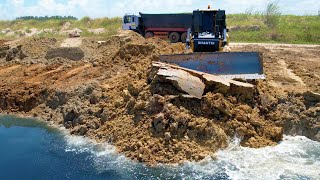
(207, 23)
(130, 22)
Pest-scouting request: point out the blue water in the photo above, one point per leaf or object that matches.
(31, 149)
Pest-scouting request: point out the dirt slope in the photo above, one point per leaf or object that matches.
(108, 95)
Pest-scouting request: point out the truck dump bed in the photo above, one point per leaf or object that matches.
(183, 20)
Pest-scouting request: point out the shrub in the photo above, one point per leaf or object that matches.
(272, 15)
(28, 30)
(85, 19)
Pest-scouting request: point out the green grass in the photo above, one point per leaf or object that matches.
(289, 29)
(283, 28)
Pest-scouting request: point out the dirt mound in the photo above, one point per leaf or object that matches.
(72, 53)
(37, 48)
(112, 95)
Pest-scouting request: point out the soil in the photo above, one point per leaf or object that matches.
(109, 95)
(2, 41)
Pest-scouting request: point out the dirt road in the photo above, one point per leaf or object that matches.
(110, 95)
(289, 67)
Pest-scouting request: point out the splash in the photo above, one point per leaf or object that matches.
(294, 158)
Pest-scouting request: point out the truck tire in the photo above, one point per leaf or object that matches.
(184, 37)
(148, 35)
(174, 37)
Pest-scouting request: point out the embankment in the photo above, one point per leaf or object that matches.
(107, 94)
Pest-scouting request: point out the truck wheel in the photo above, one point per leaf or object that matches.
(184, 37)
(148, 35)
(174, 37)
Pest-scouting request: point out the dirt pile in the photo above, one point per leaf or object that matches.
(72, 53)
(36, 48)
(10, 54)
(111, 95)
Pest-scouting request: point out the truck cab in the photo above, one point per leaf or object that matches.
(130, 22)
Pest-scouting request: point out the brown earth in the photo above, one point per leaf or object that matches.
(110, 95)
(2, 41)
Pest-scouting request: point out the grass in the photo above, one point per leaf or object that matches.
(288, 29)
(274, 27)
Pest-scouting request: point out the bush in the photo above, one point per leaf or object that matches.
(272, 15)
(28, 30)
(85, 19)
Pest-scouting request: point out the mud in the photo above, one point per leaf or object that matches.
(109, 96)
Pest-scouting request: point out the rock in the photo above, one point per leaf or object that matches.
(191, 81)
(31, 32)
(73, 31)
(140, 105)
(95, 64)
(89, 89)
(6, 31)
(104, 115)
(183, 81)
(67, 125)
(134, 91)
(156, 104)
(95, 97)
(4, 47)
(126, 95)
(83, 130)
(11, 54)
(70, 116)
(71, 111)
(167, 136)
(158, 123)
(97, 31)
(58, 99)
(80, 120)
(93, 123)
(101, 43)
(66, 26)
(311, 96)
(202, 156)
(217, 101)
(242, 90)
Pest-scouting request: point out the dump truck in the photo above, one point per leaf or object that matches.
(172, 26)
(207, 37)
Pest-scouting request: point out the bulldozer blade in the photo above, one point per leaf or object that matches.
(231, 65)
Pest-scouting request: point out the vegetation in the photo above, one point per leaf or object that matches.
(272, 27)
(44, 18)
(267, 26)
(111, 26)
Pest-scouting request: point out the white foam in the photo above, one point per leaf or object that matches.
(103, 155)
(294, 158)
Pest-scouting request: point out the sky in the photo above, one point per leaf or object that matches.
(10, 9)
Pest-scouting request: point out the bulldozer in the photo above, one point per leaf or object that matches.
(207, 38)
